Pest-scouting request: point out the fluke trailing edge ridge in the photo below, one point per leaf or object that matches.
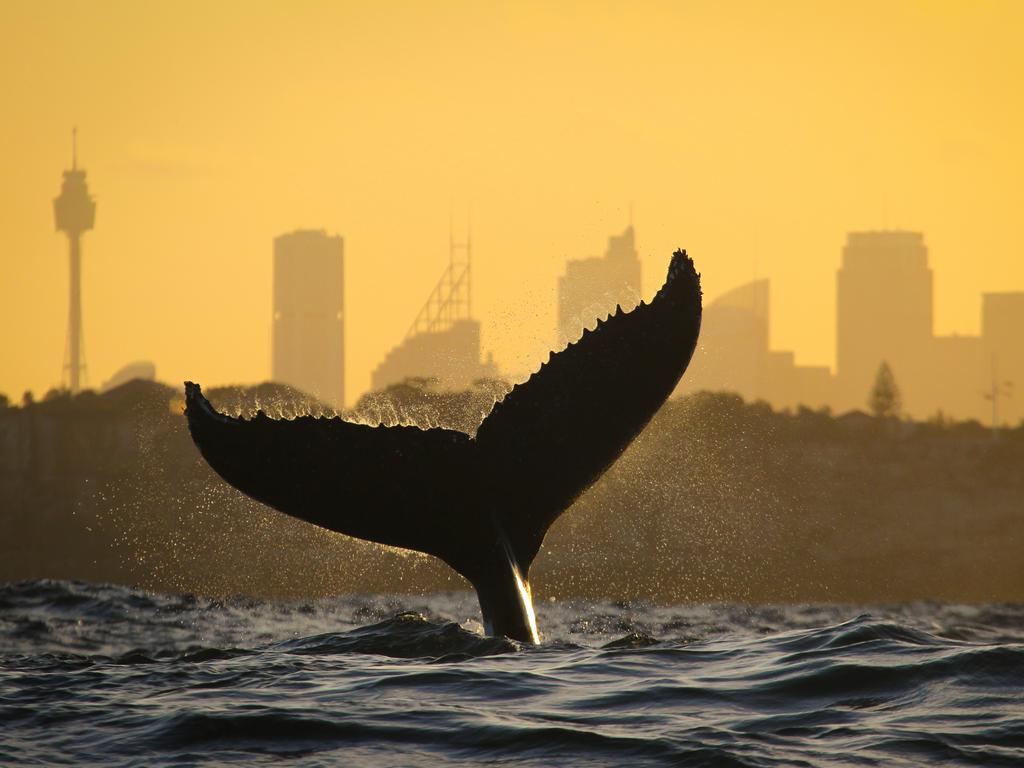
(482, 504)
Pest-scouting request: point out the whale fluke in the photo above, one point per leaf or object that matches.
(484, 504)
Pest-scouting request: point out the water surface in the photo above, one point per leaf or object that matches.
(105, 675)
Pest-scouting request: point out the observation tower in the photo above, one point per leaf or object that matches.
(74, 212)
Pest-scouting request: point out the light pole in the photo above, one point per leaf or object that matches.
(997, 390)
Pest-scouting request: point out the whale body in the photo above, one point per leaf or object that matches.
(481, 504)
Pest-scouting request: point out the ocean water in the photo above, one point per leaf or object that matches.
(103, 675)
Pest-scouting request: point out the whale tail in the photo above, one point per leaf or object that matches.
(482, 505)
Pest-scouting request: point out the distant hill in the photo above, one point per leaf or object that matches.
(717, 500)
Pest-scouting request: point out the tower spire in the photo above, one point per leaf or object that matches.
(74, 213)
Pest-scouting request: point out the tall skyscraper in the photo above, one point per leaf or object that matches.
(1002, 327)
(309, 314)
(734, 355)
(591, 288)
(733, 346)
(443, 342)
(883, 313)
(75, 213)
(1002, 319)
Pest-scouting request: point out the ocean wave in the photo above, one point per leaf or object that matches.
(407, 635)
(101, 674)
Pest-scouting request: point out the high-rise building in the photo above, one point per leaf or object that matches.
(309, 314)
(883, 313)
(733, 344)
(449, 356)
(75, 213)
(443, 342)
(591, 288)
(733, 355)
(1002, 330)
(1002, 320)
(969, 375)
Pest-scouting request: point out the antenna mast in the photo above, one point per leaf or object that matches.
(450, 299)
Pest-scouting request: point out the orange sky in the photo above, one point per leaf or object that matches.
(753, 134)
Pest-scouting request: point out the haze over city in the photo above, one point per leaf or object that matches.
(275, 484)
(208, 131)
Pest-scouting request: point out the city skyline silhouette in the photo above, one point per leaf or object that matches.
(686, 334)
(201, 148)
(885, 316)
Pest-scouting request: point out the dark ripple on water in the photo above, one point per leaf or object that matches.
(105, 675)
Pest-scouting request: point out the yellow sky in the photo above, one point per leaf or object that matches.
(754, 134)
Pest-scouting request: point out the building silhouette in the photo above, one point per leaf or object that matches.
(74, 212)
(309, 314)
(968, 376)
(1002, 325)
(1002, 320)
(443, 342)
(733, 354)
(591, 288)
(883, 313)
(143, 370)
